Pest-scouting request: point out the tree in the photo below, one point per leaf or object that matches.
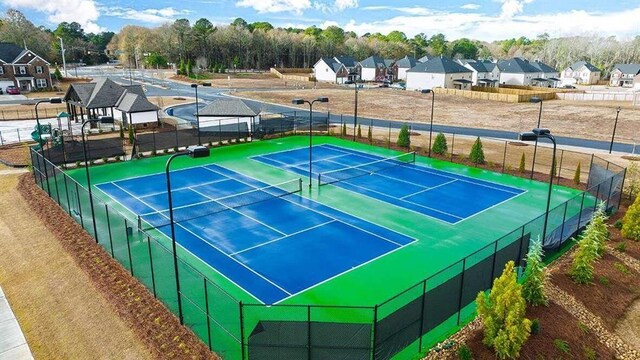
(439, 144)
(155, 60)
(464, 48)
(359, 131)
(599, 228)
(438, 44)
(396, 36)
(633, 178)
(477, 153)
(132, 135)
(576, 176)
(535, 276)
(121, 132)
(403, 137)
(261, 25)
(344, 129)
(581, 270)
(239, 22)
(502, 313)
(631, 221)
(57, 74)
(522, 164)
(370, 135)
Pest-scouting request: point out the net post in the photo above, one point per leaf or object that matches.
(319, 181)
(300, 183)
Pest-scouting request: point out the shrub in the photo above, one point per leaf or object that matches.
(121, 132)
(78, 163)
(344, 129)
(561, 345)
(599, 228)
(165, 151)
(403, 137)
(535, 327)
(105, 159)
(477, 153)
(589, 353)
(618, 224)
(633, 176)
(584, 328)
(603, 280)
(464, 353)
(117, 158)
(370, 135)
(581, 270)
(502, 313)
(631, 221)
(535, 276)
(359, 132)
(439, 144)
(622, 268)
(522, 163)
(131, 135)
(576, 176)
(622, 247)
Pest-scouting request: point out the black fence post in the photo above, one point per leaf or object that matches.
(238, 130)
(464, 267)
(389, 138)
(424, 296)
(624, 177)
(595, 206)
(219, 132)
(126, 231)
(493, 267)
(309, 332)
(373, 332)
(66, 191)
(106, 211)
(608, 195)
(453, 143)
(206, 306)
(519, 258)
(564, 220)
(79, 206)
(153, 276)
(242, 352)
(559, 174)
(590, 166)
(504, 156)
(581, 208)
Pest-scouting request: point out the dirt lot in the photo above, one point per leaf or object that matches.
(243, 81)
(563, 117)
(60, 311)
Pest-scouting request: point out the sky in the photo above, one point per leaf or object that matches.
(486, 20)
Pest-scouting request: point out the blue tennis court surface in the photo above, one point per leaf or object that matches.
(442, 195)
(269, 241)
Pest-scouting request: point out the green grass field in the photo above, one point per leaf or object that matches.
(438, 244)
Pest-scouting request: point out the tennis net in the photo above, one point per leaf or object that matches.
(333, 176)
(159, 219)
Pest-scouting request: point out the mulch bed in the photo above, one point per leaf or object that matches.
(631, 247)
(16, 155)
(611, 292)
(555, 323)
(158, 328)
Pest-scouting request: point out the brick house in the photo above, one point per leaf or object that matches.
(23, 68)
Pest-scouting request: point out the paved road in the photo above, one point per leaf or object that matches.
(157, 87)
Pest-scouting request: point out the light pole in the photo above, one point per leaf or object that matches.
(54, 100)
(322, 99)
(86, 167)
(194, 152)
(433, 100)
(534, 100)
(195, 87)
(534, 136)
(64, 62)
(615, 125)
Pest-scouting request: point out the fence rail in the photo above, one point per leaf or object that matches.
(409, 322)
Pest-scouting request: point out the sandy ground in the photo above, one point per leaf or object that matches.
(242, 81)
(575, 119)
(629, 327)
(61, 313)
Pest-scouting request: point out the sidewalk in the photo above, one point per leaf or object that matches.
(13, 345)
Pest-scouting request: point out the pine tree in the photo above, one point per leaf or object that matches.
(599, 229)
(633, 176)
(439, 144)
(581, 270)
(344, 129)
(359, 132)
(182, 69)
(131, 134)
(576, 176)
(502, 313)
(535, 276)
(522, 164)
(631, 221)
(57, 74)
(370, 135)
(477, 153)
(121, 132)
(403, 137)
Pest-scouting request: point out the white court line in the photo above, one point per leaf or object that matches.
(294, 165)
(183, 188)
(375, 173)
(284, 237)
(428, 189)
(153, 174)
(210, 244)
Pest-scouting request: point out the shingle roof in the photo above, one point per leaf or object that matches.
(83, 90)
(347, 61)
(135, 89)
(406, 62)
(332, 63)
(517, 66)
(131, 102)
(628, 68)
(9, 52)
(542, 67)
(373, 62)
(105, 94)
(388, 62)
(589, 66)
(230, 107)
(478, 66)
(440, 65)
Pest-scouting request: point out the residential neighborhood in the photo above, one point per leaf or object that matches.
(581, 73)
(623, 75)
(22, 68)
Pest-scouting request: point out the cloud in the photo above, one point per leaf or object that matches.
(84, 12)
(154, 16)
(341, 5)
(274, 6)
(485, 27)
(510, 8)
(416, 10)
(470, 6)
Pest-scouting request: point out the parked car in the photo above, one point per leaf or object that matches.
(13, 90)
(569, 87)
(399, 86)
(384, 84)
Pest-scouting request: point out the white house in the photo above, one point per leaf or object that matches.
(550, 77)
(623, 74)
(519, 71)
(350, 64)
(484, 73)
(439, 72)
(581, 72)
(401, 66)
(329, 70)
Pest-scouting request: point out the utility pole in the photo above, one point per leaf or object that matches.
(64, 62)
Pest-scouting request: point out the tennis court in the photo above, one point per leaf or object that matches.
(267, 240)
(398, 180)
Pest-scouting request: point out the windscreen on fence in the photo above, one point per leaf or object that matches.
(69, 149)
(292, 123)
(605, 181)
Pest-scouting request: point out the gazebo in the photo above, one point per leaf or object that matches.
(95, 98)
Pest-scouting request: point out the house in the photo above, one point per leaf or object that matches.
(484, 73)
(350, 64)
(329, 70)
(23, 68)
(439, 72)
(519, 71)
(373, 68)
(581, 72)
(636, 83)
(401, 66)
(624, 74)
